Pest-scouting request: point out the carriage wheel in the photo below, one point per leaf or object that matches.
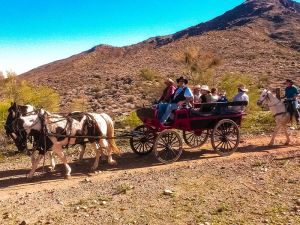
(225, 137)
(168, 146)
(142, 143)
(195, 139)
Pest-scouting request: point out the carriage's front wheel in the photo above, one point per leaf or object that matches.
(142, 140)
(225, 137)
(168, 146)
(195, 139)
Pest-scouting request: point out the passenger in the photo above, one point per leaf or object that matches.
(205, 94)
(168, 91)
(222, 97)
(197, 94)
(214, 95)
(241, 96)
(181, 96)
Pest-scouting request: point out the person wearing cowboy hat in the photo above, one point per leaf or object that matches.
(241, 97)
(182, 95)
(205, 94)
(291, 94)
(168, 91)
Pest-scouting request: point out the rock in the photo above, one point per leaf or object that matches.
(87, 180)
(23, 223)
(298, 201)
(60, 202)
(168, 192)
(103, 203)
(207, 223)
(7, 215)
(265, 221)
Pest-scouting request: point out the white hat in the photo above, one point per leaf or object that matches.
(242, 88)
(205, 88)
(197, 87)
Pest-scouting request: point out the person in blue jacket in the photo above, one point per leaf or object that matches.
(291, 94)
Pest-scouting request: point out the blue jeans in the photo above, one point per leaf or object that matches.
(162, 107)
(169, 109)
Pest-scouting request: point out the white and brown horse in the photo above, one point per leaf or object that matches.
(281, 115)
(53, 131)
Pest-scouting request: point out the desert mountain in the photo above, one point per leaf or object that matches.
(257, 37)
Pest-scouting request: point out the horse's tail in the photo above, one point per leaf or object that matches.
(111, 134)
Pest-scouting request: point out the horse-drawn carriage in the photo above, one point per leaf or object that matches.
(220, 123)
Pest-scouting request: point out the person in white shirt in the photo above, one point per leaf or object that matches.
(241, 96)
(197, 94)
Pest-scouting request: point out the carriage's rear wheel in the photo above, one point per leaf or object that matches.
(225, 137)
(168, 146)
(195, 139)
(142, 140)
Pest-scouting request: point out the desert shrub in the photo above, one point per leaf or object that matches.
(130, 120)
(258, 122)
(149, 74)
(79, 104)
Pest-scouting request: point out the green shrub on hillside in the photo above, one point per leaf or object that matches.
(131, 120)
(148, 74)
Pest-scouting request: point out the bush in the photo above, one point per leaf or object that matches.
(257, 122)
(148, 74)
(130, 120)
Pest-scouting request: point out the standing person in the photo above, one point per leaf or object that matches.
(241, 96)
(168, 91)
(197, 94)
(205, 94)
(214, 95)
(291, 94)
(181, 96)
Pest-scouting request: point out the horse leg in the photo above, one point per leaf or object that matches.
(110, 160)
(57, 149)
(53, 164)
(82, 151)
(98, 151)
(32, 157)
(277, 127)
(35, 165)
(288, 140)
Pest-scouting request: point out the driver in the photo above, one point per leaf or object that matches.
(181, 96)
(291, 94)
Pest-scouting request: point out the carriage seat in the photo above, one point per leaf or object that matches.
(216, 108)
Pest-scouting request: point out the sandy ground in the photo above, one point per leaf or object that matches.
(255, 185)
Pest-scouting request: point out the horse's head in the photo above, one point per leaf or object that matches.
(264, 96)
(17, 124)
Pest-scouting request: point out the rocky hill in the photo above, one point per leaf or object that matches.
(260, 37)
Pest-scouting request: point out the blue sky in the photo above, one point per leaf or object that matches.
(35, 32)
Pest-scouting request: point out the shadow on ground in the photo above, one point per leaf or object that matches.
(129, 160)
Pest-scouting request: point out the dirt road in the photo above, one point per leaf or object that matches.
(256, 185)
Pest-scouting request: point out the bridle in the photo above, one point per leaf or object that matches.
(267, 97)
(18, 133)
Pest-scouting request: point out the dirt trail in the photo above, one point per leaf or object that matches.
(48, 197)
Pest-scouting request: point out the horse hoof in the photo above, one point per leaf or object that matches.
(287, 143)
(67, 177)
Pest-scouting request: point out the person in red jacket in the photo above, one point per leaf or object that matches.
(168, 91)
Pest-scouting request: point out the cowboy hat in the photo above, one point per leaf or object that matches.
(242, 88)
(289, 81)
(205, 88)
(169, 81)
(182, 79)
